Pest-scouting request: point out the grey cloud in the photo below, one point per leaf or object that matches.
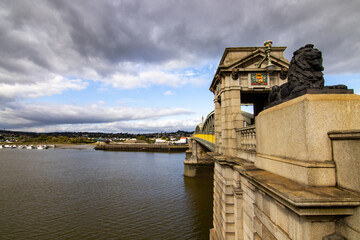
(96, 40)
(112, 32)
(120, 126)
(101, 34)
(25, 115)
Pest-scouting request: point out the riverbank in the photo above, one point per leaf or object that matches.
(47, 146)
(142, 148)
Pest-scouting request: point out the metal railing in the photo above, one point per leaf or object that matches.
(206, 139)
(210, 137)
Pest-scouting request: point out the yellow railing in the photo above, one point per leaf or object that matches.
(207, 137)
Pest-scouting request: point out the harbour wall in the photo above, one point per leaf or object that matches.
(142, 148)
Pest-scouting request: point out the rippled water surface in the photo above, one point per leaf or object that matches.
(87, 194)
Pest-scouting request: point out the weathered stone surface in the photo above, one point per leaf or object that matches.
(349, 227)
(286, 209)
(292, 138)
(346, 152)
(301, 178)
(298, 128)
(302, 199)
(334, 236)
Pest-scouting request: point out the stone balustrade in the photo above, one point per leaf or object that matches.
(247, 138)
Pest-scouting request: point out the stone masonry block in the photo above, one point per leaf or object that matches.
(297, 129)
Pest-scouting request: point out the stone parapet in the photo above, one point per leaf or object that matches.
(252, 203)
(292, 138)
(346, 152)
(298, 129)
(312, 173)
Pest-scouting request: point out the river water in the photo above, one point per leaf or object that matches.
(88, 194)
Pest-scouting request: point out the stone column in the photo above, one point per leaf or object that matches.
(217, 125)
(223, 214)
(223, 138)
(238, 207)
(231, 110)
(248, 208)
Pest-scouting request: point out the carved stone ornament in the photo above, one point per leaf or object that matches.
(218, 87)
(283, 73)
(235, 73)
(217, 78)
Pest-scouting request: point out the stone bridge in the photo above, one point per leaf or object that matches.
(287, 172)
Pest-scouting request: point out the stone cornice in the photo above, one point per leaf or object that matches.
(312, 202)
(344, 134)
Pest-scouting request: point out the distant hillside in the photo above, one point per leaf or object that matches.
(179, 133)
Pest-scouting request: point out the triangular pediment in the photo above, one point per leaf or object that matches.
(250, 60)
(246, 59)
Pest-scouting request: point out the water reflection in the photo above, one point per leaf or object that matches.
(84, 194)
(199, 190)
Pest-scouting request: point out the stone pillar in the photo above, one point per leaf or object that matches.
(346, 152)
(248, 208)
(196, 157)
(222, 123)
(217, 125)
(238, 207)
(230, 115)
(223, 214)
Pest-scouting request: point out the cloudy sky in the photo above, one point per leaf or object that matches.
(146, 66)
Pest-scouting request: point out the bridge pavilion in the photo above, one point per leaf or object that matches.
(291, 171)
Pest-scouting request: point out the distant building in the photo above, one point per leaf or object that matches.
(160, 141)
(134, 140)
(181, 141)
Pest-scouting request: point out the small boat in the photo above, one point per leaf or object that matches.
(10, 146)
(42, 147)
(30, 147)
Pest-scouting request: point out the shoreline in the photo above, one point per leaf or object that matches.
(52, 146)
(127, 147)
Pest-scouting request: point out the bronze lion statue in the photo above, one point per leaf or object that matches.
(305, 72)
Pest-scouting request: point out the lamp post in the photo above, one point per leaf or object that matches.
(270, 67)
